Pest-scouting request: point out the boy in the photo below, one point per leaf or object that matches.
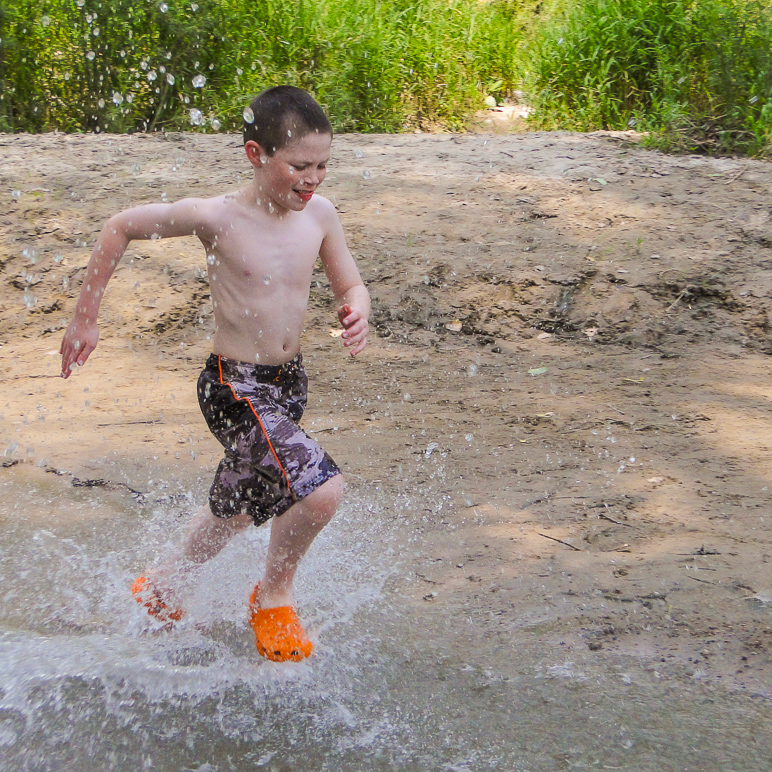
(261, 244)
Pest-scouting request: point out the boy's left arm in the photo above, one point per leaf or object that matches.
(346, 283)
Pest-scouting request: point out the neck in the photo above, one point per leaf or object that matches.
(253, 196)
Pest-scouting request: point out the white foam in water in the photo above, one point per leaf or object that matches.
(74, 629)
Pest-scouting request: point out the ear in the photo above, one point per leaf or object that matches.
(255, 154)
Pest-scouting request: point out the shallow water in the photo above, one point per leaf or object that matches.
(87, 683)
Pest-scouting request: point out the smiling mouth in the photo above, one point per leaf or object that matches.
(305, 195)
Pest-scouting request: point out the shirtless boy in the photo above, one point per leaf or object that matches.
(261, 245)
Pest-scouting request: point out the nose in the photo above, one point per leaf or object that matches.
(314, 177)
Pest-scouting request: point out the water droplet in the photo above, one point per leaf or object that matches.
(45, 21)
(163, 8)
(58, 258)
(95, 32)
(216, 124)
(249, 116)
(366, 174)
(406, 397)
(81, 3)
(267, 279)
(469, 437)
(151, 76)
(16, 195)
(239, 71)
(101, 103)
(170, 78)
(117, 98)
(199, 81)
(30, 300)
(289, 132)
(210, 259)
(194, 7)
(90, 56)
(358, 153)
(195, 117)
(164, 197)
(753, 100)
(136, 168)
(472, 370)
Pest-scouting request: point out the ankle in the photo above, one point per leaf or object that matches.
(274, 597)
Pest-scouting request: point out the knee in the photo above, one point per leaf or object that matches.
(327, 498)
(337, 489)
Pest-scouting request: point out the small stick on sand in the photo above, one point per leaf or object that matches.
(560, 541)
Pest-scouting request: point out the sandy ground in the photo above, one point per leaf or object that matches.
(569, 377)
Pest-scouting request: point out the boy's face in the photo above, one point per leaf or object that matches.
(291, 175)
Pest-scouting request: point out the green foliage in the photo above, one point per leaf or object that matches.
(695, 74)
(377, 65)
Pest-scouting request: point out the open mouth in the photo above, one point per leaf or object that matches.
(305, 195)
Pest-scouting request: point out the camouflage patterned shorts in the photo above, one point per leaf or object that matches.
(270, 462)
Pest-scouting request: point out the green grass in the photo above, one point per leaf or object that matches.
(695, 74)
(377, 65)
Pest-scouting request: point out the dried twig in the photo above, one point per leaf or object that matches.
(611, 519)
(738, 175)
(676, 301)
(560, 541)
(704, 581)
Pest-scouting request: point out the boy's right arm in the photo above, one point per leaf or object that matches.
(143, 222)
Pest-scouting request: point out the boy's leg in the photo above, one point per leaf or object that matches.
(279, 636)
(159, 589)
(291, 535)
(207, 535)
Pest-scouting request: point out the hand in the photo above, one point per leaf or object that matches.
(80, 339)
(355, 328)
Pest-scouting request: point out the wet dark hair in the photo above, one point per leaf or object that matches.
(281, 114)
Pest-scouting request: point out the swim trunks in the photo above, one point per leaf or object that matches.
(270, 462)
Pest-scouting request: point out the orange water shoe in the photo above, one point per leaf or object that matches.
(279, 636)
(147, 595)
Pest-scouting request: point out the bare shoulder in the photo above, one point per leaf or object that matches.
(324, 211)
(206, 215)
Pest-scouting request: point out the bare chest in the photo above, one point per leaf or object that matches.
(255, 252)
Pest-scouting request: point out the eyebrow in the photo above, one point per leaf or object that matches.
(308, 163)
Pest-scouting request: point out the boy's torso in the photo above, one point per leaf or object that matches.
(260, 270)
